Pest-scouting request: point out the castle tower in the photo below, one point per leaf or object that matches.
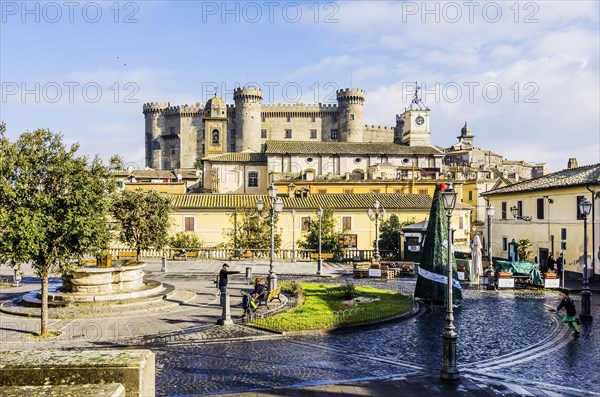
(247, 118)
(155, 121)
(350, 113)
(215, 126)
(416, 123)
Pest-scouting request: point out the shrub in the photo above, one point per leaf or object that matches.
(187, 240)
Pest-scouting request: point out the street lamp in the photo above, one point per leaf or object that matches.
(374, 214)
(516, 213)
(293, 236)
(320, 259)
(490, 213)
(584, 208)
(449, 369)
(273, 213)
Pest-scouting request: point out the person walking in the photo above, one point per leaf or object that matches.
(569, 305)
(222, 281)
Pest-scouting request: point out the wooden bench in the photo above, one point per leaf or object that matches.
(127, 254)
(188, 255)
(269, 297)
(327, 255)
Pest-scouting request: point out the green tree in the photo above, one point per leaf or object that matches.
(523, 251)
(389, 233)
(251, 231)
(329, 236)
(2, 128)
(187, 240)
(116, 163)
(143, 218)
(53, 206)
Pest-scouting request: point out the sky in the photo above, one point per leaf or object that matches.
(524, 75)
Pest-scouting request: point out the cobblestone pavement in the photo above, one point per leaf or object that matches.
(509, 344)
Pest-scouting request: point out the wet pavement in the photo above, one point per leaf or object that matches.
(509, 343)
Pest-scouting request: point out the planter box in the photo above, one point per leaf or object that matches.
(551, 283)
(506, 283)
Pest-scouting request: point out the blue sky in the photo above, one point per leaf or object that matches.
(524, 75)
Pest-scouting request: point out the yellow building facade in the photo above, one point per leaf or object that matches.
(544, 207)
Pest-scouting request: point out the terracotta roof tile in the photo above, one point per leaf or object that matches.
(238, 157)
(337, 201)
(310, 147)
(580, 176)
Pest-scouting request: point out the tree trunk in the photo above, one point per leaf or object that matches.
(44, 316)
(137, 254)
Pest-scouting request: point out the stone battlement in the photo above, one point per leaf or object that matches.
(350, 96)
(247, 92)
(184, 110)
(350, 91)
(155, 106)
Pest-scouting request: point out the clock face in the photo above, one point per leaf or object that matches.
(419, 120)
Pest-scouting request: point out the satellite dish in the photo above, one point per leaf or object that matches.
(179, 177)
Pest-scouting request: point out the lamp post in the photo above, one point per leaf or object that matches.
(490, 213)
(449, 369)
(374, 214)
(274, 211)
(293, 236)
(584, 208)
(320, 259)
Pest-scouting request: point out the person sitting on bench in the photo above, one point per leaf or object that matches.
(260, 289)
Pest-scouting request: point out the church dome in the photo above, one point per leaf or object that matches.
(465, 130)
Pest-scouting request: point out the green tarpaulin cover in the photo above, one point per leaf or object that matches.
(525, 268)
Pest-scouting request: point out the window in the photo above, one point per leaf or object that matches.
(461, 223)
(232, 134)
(346, 223)
(579, 214)
(399, 191)
(313, 134)
(348, 191)
(357, 160)
(263, 134)
(540, 208)
(312, 119)
(504, 243)
(215, 137)
(422, 191)
(288, 119)
(172, 130)
(334, 134)
(188, 223)
(253, 179)
(504, 210)
(351, 116)
(263, 119)
(322, 191)
(305, 223)
(232, 147)
(520, 208)
(375, 191)
(470, 196)
(288, 134)
(309, 159)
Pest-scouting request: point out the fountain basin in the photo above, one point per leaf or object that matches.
(104, 280)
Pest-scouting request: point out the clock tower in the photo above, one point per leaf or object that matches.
(416, 123)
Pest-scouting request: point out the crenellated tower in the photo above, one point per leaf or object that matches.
(155, 121)
(350, 121)
(247, 118)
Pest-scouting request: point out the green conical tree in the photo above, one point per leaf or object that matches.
(435, 256)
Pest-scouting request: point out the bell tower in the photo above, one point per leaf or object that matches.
(415, 125)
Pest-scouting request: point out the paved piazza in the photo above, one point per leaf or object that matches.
(504, 337)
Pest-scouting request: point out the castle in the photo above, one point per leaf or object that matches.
(177, 136)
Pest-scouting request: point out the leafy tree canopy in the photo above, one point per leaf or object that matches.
(187, 240)
(143, 218)
(329, 235)
(251, 231)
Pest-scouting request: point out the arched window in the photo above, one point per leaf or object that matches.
(215, 137)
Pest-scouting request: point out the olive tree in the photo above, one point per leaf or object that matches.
(53, 206)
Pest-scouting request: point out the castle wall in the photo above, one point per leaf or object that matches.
(376, 133)
(303, 121)
(350, 102)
